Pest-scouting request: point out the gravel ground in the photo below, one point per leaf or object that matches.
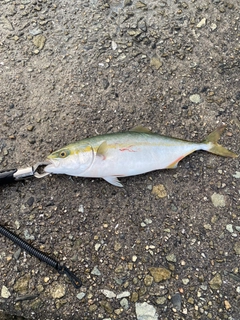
(166, 246)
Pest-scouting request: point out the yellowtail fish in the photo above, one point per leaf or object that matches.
(123, 154)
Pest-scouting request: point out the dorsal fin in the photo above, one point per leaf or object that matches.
(140, 129)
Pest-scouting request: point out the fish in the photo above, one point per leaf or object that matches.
(114, 155)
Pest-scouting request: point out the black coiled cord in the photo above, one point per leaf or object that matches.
(41, 256)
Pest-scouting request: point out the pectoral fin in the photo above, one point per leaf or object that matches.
(113, 180)
(102, 150)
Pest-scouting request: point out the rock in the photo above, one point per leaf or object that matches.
(146, 311)
(201, 23)
(213, 26)
(35, 31)
(185, 281)
(57, 291)
(30, 128)
(227, 305)
(127, 3)
(134, 297)
(142, 25)
(117, 246)
(140, 5)
(160, 274)
(21, 285)
(123, 294)
(81, 208)
(124, 304)
(237, 248)
(148, 280)
(134, 258)
(39, 41)
(97, 246)
(17, 253)
(114, 45)
(107, 306)
(218, 200)
(236, 175)
(27, 235)
(171, 257)
(155, 62)
(81, 295)
(109, 294)
(216, 282)
(229, 228)
(95, 271)
(159, 191)
(5, 293)
(207, 226)
(6, 24)
(161, 300)
(190, 300)
(105, 83)
(177, 301)
(195, 98)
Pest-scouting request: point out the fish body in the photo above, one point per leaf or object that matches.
(122, 154)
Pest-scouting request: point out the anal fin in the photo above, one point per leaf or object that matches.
(113, 180)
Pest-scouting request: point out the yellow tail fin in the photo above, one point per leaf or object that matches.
(216, 148)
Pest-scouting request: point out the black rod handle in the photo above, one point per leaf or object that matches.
(7, 176)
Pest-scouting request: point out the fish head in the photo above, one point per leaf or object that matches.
(73, 159)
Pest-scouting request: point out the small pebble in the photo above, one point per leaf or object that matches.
(124, 304)
(237, 248)
(57, 291)
(123, 294)
(195, 98)
(148, 280)
(177, 301)
(160, 274)
(95, 271)
(108, 293)
(97, 246)
(229, 228)
(5, 293)
(201, 23)
(81, 208)
(236, 175)
(159, 191)
(146, 311)
(171, 258)
(185, 281)
(227, 305)
(216, 282)
(161, 300)
(134, 258)
(213, 26)
(81, 295)
(218, 200)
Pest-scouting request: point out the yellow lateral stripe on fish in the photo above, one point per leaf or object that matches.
(128, 153)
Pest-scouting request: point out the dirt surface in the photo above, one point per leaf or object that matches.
(73, 69)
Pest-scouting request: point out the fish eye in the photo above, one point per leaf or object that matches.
(63, 154)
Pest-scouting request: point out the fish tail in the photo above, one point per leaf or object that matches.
(212, 145)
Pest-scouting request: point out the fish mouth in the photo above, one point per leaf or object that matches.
(51, 164)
